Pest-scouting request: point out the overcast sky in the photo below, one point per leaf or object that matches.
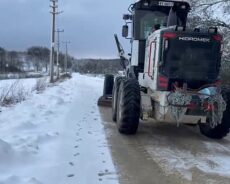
(88, 24)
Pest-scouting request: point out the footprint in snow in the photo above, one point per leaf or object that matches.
(33, 115)
(41, 107)
(76, 154)
(34, 181)
(48, 113)
(75, 146)
(71, 163)
(60, 101)
(78, 140)
(105, 173)
(70, 175)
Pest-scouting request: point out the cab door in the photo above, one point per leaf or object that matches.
(152, 58)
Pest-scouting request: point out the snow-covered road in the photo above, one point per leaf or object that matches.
(61, 137)
(56, 137)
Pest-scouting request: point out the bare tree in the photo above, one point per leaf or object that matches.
(2, 59)
(13, 63)
(214, 13)
(45, 57)
(39, 56)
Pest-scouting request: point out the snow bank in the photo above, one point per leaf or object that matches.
(15, 91)
(17, 180)
(6, 152)
(28, 84)
(56, 137)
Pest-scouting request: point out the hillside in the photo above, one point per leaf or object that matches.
(97, 66)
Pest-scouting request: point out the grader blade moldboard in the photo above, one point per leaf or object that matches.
(105, 101)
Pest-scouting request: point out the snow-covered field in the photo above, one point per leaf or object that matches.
(56, 137)
(28, 84)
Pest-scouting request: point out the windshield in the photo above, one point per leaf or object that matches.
(191, 60)
(145, 22)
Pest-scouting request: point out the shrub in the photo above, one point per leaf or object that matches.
(40, 85)
(12, 94)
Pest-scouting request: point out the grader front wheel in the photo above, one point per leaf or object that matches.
(128, 106)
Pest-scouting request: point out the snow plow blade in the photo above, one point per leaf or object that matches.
(105, 101)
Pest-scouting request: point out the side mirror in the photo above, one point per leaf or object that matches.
(125, 31)
(127, 17)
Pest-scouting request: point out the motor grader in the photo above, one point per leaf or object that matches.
(172, 73)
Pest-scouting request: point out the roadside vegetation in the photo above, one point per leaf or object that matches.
(13, 93)
(41, 85)
(97, 66)
(208, 13)
(32, 63)
(16, 91)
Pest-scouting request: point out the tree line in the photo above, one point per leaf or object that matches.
(35, 58)
(208, 13)
(97, 66)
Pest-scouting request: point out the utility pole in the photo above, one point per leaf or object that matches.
(66, 55)
(58, 49)
(54, 12)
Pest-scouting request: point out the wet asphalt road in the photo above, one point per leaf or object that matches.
(165, 154)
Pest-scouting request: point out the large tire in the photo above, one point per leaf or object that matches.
(108, 85)
(114, 97)
(221, 130)
(128, 106)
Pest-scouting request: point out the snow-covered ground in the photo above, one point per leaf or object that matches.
(56, 137)
(27, 84)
